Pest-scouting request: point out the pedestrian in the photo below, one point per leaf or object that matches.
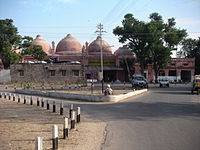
(108, 90)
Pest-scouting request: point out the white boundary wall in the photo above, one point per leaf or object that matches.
(5, 76)
(84, 97)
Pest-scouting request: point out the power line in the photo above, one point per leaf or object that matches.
(127, 7)
(144, 6)
(57, 27)
(56, 33)
(112, 11)
(92, 37)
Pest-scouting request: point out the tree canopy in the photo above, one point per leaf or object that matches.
(133, 33)
(151, 41)
(9, 38)
(191, 49)
(188, 45)
(27, 48)
(164, 37)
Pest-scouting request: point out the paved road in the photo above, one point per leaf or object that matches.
(162, 119)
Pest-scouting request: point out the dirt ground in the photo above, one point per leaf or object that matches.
(21, 123)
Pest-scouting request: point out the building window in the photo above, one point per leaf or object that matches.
(21, 73)
(172, 64)
(185, 64)
(52, 72)
(63, 72)
(161, 73)
(172, 72)
(75, 72)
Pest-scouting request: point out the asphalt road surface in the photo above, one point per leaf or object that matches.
(161, 119)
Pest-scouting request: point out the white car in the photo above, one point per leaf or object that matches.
(138, 82)
(164, 82)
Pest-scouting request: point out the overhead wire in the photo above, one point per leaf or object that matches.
(128, 6)
(118, 9)
(142, 8)
(115, 9)
(112, 11)
(57, 27)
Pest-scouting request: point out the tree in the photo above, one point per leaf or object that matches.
(8, 39)
(28, 48)
(173, 36)
(163, 38)
(25, 43)
(127, 64)
(191, 49)
(133, 33)
(152, 41)
(37, 52)
(159, 55)
(188, 45)
(196, 54)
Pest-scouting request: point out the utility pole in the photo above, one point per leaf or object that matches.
(100, 31)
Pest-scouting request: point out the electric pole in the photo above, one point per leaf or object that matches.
(100, 31)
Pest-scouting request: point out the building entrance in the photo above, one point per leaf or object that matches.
(185, 76)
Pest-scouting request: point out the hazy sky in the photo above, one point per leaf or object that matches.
(54, 19)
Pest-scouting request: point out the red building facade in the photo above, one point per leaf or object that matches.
(69, 49)
(178, 70)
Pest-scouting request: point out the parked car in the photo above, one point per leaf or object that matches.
(139, 81)
(196, 84)
(164, 82)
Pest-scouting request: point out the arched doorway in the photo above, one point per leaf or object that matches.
(185, 76)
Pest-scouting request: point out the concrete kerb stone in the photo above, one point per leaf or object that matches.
(117, 98)
(84, 97)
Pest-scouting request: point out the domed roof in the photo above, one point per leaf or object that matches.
(124, 51)
(69, 45)
(95, 47)
(17, 51)
(40, 41)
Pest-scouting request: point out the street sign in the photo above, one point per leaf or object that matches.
(100, 75)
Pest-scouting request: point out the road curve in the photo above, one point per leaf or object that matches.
(162, 119)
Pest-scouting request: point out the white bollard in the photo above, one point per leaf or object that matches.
(42, 103)
(24, 99)
(61, 108)
(66, 128)
(13, 97)
(38, 102)
(78, 114)
(55, 137)
(47, 105)
(54, 106)
(38, 143)
(18, 98)
(9, 96)
(31, 100)
(73, 119)
(70, 110)
(4, 95)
